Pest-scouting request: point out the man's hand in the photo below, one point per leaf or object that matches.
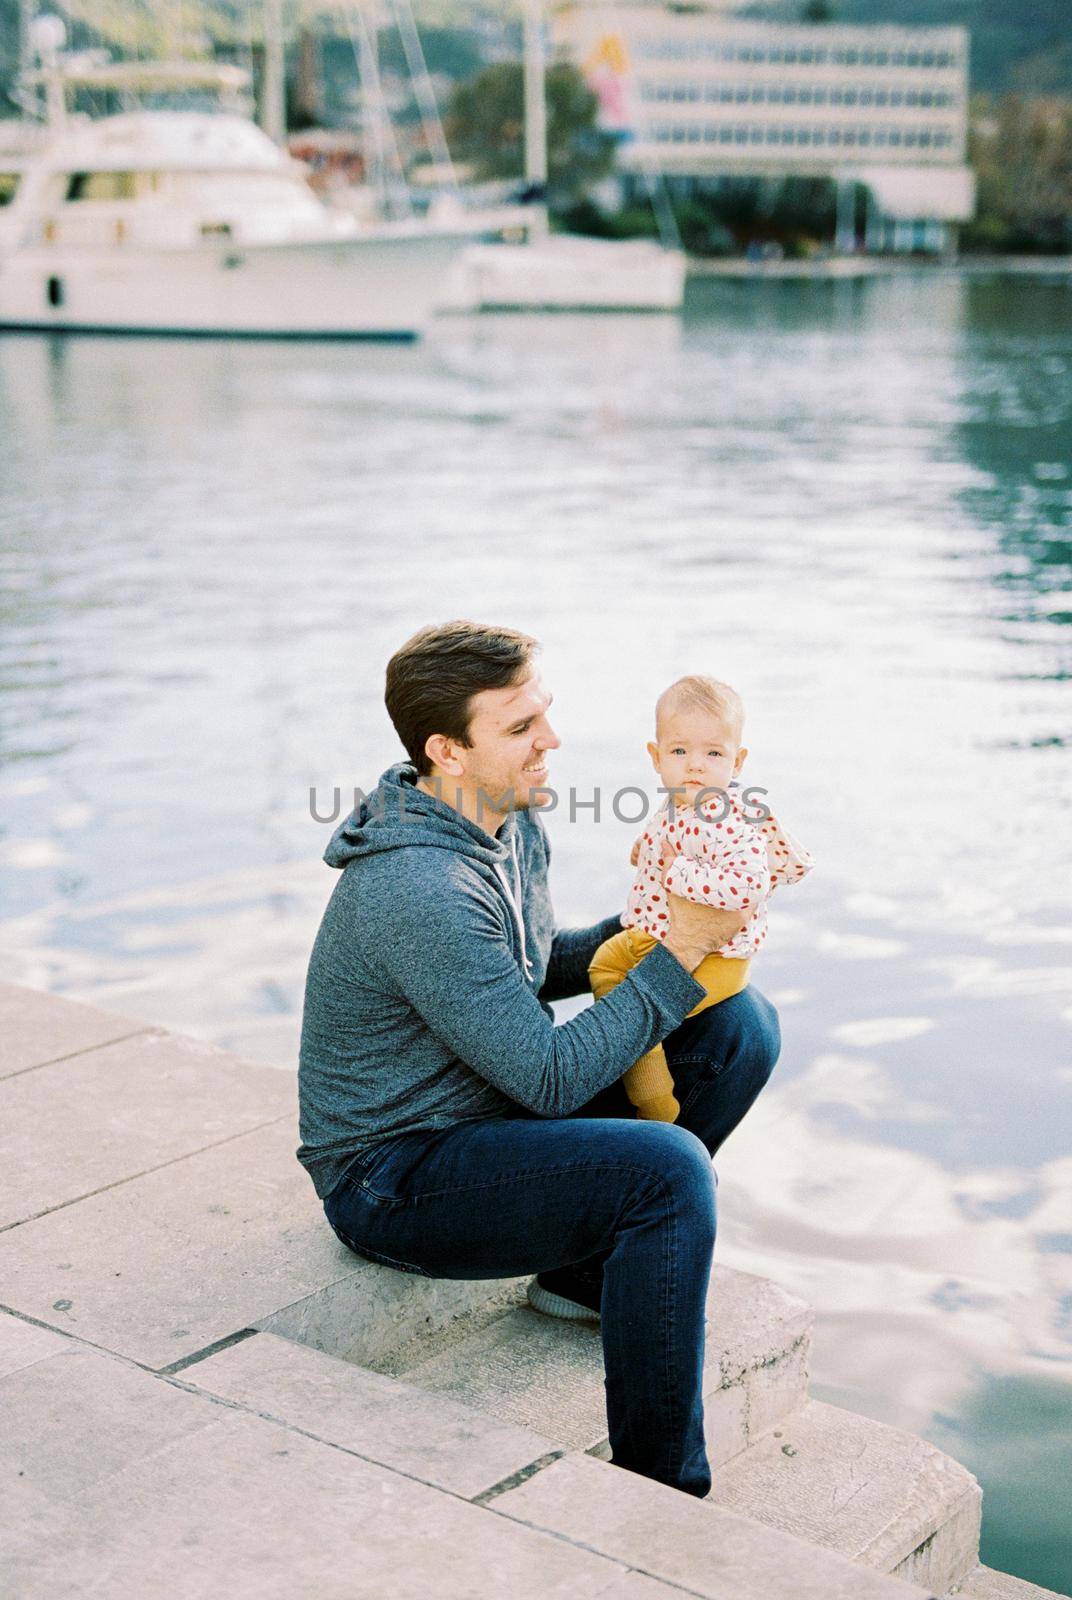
(695, 930)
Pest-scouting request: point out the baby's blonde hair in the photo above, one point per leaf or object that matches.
(697, 693)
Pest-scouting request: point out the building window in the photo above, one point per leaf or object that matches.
(924, 139)
(725, 135)
(896, 97)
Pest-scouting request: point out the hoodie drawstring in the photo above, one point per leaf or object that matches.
(514, 897)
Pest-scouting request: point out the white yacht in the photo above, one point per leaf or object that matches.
(196, 222)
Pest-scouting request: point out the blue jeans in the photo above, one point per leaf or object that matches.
(627, 1203)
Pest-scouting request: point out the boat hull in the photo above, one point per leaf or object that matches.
(383, 286)
(565, 273)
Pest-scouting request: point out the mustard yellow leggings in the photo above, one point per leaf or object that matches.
(648, 1082)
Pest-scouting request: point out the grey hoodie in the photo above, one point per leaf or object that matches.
(427, 997)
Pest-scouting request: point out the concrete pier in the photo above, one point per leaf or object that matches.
(204, 1393)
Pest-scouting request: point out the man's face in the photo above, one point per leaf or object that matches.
(509, 739)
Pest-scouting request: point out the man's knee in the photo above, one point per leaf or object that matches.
(748, 1032)
(680, 1163)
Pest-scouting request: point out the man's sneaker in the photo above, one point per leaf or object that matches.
(557, 1294)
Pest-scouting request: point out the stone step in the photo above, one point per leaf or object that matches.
(881, 1497)
(547, 1375)
(150, 1201)
(428, 1437)
(983, 1583)
(289, 1473)
(673, 1539)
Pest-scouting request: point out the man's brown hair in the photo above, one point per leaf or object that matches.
(434, 676)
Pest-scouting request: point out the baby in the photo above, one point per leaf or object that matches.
(724, 854)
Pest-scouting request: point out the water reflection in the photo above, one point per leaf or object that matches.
(845, 498)
(1018, 432)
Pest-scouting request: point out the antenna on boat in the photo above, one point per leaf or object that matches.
(47, 36)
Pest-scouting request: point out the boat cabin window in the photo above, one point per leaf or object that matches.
(9, 182)
(111, 185)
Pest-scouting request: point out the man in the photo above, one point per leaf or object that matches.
(450, 1127)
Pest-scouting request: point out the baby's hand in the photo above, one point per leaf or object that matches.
(669, 850)
(634, 854)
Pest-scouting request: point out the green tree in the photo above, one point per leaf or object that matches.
(486, 127)
(1021, 150)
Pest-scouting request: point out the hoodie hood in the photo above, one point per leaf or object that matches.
(398, 815)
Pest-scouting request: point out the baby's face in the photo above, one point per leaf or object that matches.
(695, 750)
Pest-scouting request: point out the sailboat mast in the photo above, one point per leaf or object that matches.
(273, 85)
(535, 96)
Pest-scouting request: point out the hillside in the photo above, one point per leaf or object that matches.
(1017, 45)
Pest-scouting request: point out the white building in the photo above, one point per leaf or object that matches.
(699, 94)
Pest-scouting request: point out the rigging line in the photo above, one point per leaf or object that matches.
(367, 57)
(652, 176)
(423, 88)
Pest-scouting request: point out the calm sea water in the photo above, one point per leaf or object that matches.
(853, 501)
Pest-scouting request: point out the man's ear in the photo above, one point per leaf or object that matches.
(653, 751)
(742, 756)
(440, 752)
